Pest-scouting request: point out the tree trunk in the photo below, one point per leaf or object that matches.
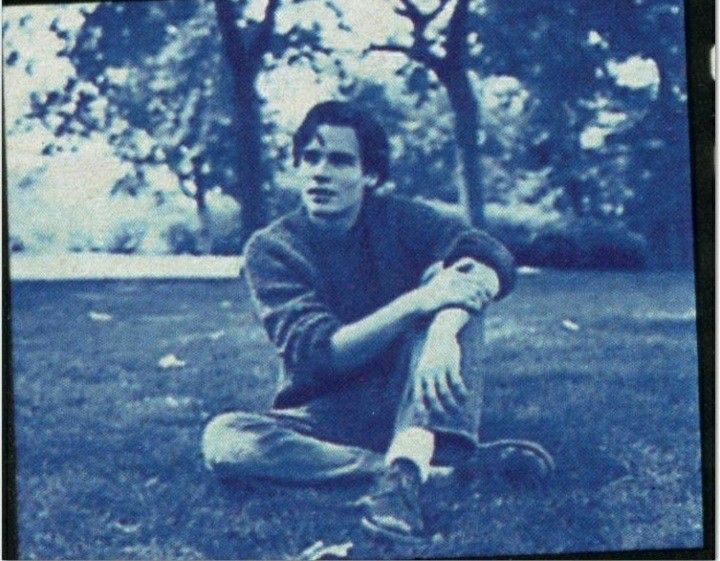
(251, 173)
(203, 242)
(465, 107)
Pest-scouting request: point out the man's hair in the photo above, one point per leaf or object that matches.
(374, 149)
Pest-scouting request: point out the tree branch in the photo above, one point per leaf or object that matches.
(420, 19)
(420, 51)
(231, 37)
(412, 12)
(437, 11)
(455, 45)
(261, 45)
(417, 52)
(389, 49)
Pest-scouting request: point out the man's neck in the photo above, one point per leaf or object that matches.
(339, 223)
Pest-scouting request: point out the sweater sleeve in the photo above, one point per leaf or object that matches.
(438, 237)
(296, 321)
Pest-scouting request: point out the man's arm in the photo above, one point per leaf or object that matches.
(450, 296)
(437, 377)
(432, 236)
(314, 345)
(357, 343)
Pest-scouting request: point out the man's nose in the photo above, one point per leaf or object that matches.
(320, 173)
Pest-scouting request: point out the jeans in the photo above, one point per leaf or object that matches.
(344, 434)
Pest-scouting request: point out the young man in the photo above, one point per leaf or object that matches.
(372, 302)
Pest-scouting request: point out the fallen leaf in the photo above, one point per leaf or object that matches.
(125, 528)
(307, 553)
(171, 361)
(175, 402)
(570, 325)
(217, 334)
(99, 316)
(440, 471)
(528, 271)
(319, 550)
(360, 502)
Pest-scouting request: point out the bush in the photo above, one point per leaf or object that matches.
(551, 249)
(540, 237)
(587, 244)
(223, 223)
(450, 210)
(611, 247)
(181, 239)
(61, 203)
(517, 224)
(282, 199)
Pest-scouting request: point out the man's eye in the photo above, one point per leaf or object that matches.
(341, 160)
(311, 156)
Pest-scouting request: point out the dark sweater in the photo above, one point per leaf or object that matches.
(306, 283)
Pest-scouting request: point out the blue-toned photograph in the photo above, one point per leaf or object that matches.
(328, 279)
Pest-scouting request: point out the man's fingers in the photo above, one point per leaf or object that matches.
(486, 277)
(472, 304)
(478, 274)
(478, 289)
(482, 289)
(481, 282)
(431, 396)
(445, 393)
(419, 392)
(457, 384)
(466, 298)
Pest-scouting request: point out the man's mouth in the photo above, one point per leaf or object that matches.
(320, 192)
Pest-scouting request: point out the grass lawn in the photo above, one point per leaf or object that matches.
(108, 442)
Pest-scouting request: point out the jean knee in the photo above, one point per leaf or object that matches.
(220, 441)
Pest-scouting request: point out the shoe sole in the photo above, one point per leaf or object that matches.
(377, 530)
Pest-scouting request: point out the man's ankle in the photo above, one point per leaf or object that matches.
(415, 445)
(407, 467)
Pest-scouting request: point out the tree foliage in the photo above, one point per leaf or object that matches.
(63, 173)
(610, 82)
(536, 118)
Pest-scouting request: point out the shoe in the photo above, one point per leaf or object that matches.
(514, 459)
(393, 506)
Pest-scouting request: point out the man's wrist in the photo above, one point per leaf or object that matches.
(416, 302)
(449, 321)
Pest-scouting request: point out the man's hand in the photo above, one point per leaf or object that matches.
(438, 383)
(467, 284)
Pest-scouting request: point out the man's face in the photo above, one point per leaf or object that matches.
(333, 182)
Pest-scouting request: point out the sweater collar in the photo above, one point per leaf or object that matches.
(318, 234)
